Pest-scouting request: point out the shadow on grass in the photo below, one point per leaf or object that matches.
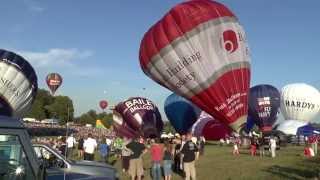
(291, 173)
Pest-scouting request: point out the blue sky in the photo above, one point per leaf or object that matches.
(94, 45)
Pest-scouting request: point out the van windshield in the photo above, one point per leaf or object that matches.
(13, 162)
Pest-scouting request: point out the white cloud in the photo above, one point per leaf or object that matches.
(66, 60)
(55, 57)
(33, 6)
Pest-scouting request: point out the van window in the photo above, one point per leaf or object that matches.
(13, 161)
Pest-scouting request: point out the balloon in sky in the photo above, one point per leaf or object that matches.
(54, 80)
(139, 116)
(19, 84)
(199, 51)
(299, 102)
(181, 113)
(210, 128)
(264, 103)
(103, 104)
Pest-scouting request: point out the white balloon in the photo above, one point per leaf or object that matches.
(290, 127)
(299, 101)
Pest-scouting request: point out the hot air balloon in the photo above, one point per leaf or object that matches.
(250, 124)
(181, 113)
(19, 84)
(290, 127)
(103, 104)
(199, 51)
(299, 102)
(139, 116)
(121, 127)
(54, 81)
(264, 103)
(210, 128)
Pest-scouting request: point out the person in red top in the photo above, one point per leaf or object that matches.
(156, 150)
(313, 140)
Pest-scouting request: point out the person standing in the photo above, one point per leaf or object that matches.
(189, 154)
(125, 156)
(80, 147)
(135, 163)
(201, 142)
(314, 143)
(71, 143)
(260, 145)
(273, 146)
(156, 157)
(236, 144)
(103, 150)
(89, 147)
(167, 161)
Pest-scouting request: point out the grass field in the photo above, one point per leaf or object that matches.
(219, 163)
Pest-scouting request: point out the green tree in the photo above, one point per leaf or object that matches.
(167, 127)
(38, 110)
(62, 109)
(86, 119)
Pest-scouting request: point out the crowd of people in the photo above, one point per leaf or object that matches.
(168, 155)
(176, 154)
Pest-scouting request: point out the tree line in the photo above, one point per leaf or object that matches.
(46, 106)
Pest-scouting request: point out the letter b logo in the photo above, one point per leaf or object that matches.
(230, 41)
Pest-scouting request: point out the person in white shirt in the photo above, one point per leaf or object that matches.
(89, 147)
(273, 146)
(71, 142)
(108, 141)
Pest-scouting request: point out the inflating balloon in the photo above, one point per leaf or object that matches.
(249, 125)
(181, 113)
(264, 103)
(199, 51)
(290, 127)
(54, 81)
(138, 116)
(122, 128)
(210, 128)
(300, 102)
(103, 104)
(19, 84)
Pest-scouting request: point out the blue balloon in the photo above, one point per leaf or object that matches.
(249, 125)
(264, 103)
(181, 113)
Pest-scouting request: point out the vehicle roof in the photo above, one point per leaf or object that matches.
(9, 122)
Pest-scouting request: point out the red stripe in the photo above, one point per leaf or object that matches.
(232, 82)
(180, 19)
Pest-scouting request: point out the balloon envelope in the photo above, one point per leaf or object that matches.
(250, 124)
(54, 81)
(19, 84)
(103, 104)
(181, 113)
(300, 102)
(199, 51)
(290, 127)
(264, 103)
(139, 116)
(210, 128)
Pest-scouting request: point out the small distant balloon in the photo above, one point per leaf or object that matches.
(103, 104)
(54, 81)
